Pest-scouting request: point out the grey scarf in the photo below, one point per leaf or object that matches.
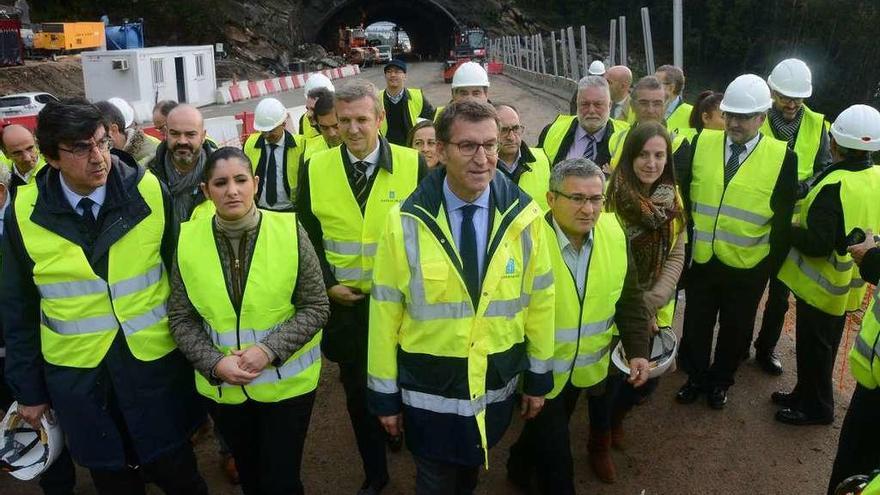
(184, 187)
(786, 130)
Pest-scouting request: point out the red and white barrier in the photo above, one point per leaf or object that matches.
(284, 83)
(224, 97)
(244, 90)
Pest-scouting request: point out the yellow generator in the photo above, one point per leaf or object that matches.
(69, 36)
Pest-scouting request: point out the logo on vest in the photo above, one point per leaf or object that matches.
(510, 268)
(392, 197)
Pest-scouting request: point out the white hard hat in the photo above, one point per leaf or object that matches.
(664, 347)
(24, 451)
(597, 68)
(470, 74)
(125, 109)
(270, 113)
(317, 80)
(747, 93)
(792, 78)
(857, 128)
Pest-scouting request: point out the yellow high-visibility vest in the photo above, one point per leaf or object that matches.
(584, 327)
(733, 223)
(808, 141)
(832, 284)
(265, 304)
(680, 118)
(414, 103)
(557, 131)
(81, 312)
(350, 237)
(254, 149)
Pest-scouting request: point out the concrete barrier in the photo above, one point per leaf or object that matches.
(256, 89)
(224, 130)
(298, 81)
(223, 96)
(560, 87)
(276, 85)
(244, 90)
(283, 83)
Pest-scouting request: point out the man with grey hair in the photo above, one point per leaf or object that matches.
(345, 194)
(462, 308)
(596, 291)
(620, 79)
(589, 134)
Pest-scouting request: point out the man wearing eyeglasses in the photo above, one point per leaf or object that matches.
(597, 295)
(85, 256)
(526, 167)
(461, 309)
(590, 134)
(345, 195)
(806, 133)
(741, 193)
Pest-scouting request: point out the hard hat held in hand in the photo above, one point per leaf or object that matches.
(124, 108)
(24, 451)
(317, 80)
(857, 128)
(791, 78)
(270, 113)
(664, 347)
(747, 93)
(470, 74)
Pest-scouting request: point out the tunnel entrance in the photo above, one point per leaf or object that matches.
(428, 25)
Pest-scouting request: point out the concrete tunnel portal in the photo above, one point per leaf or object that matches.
(428, 24)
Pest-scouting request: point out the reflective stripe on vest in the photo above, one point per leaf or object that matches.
(559, 128)
(414, 103)
(350, 237)
(266, 304)
(831, 283)
(733, 223)
(458, 407)
(864, 358)
(292, 159)
(80, 313)
(584, 328)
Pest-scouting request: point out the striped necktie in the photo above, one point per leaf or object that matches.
(359, 183)
(590, 150)
(733, 163)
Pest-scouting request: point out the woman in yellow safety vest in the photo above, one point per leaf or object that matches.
(423, 139)
(642, 192)
(706, 114)
(246, 308)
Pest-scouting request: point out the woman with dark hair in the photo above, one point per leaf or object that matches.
(642, 193)
(705, 115)
(423, 139)
(257, 351)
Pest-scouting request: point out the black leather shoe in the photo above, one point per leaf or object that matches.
(784, 399)
(799, 418)
(395, 442)
(688, 393)
(717, 398)
(769, 362)
(373, 487)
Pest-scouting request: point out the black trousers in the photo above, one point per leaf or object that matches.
(441, 478)
(176, 473)
(267, 442)
(730, 297)
(857, 451)
(368, 432)
(544, 445)
(817, 338)
(60, 478)
(774, 316)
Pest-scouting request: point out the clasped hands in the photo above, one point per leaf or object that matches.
(241, 367)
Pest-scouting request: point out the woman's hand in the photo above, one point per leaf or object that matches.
(253, 359)
(228, 370)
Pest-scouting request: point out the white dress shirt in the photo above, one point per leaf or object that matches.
(750, 146)
(577, 261)
(283, 200)
(98, 196)
(371, 160)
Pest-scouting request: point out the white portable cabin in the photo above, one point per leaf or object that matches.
(143, 76)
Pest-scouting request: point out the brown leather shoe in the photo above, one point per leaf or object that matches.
(227, 464)
(599, 447)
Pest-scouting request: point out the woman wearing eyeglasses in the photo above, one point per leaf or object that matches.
(642, 192)
(247, 304)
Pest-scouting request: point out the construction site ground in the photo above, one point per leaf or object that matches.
(671, 449)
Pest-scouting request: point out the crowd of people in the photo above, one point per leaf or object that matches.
(454, 273)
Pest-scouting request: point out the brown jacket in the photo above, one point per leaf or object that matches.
(309, 297)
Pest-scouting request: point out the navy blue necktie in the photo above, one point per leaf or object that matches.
(88, 214)
(272, 177)
(469, 259)
(733, 164)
